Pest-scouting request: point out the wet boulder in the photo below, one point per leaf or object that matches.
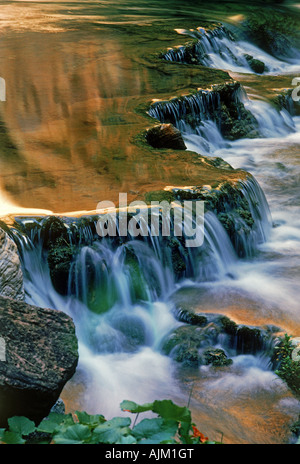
(60, 257)
(165, 136)
(183, 345)
(38, 355)
(256, 65)
(188, 345)
(197, 342)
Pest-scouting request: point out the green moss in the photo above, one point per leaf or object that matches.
(216, 357)
(228, 326)
(159, 195)
(137, 280)
(274, 31)
(248, 340)
(60, 257)
(256, 65)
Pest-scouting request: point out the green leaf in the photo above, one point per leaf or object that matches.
(51, 423)
(112, 430)
(76, 434)
(87, 419)
(168, 410)
(155, 430)
(13, 438)
(126, 440)
(133, 407)
(21, 425)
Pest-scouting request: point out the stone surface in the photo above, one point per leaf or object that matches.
(11, 275)
(256, 65)
(165, 136)
(41, 355)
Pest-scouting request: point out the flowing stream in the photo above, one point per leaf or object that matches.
(120, 343)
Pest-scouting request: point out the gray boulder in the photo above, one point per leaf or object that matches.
(11, 275)
(38, 355)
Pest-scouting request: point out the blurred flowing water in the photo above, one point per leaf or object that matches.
(74, 77)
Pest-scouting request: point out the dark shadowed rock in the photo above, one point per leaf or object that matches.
(256, 65)
(165, 136)
(38, 355)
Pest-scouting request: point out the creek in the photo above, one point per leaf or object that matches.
(87, 93)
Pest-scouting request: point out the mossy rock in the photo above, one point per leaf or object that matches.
(216, 357)
(189, 317)
(249, 340)
(184, 345)
(228, 326)
(53, 228)
(275, 32)
(60, 257)
(256, 65)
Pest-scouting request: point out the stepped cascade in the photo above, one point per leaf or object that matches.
(182, 306)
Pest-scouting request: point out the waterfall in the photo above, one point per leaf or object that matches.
(131, 268)
(200, 117)
(219, 48)
(119, 298)
(120, 276)
(260, 213)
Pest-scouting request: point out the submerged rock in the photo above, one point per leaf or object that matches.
(165, 136)
(11, 275)
(39, 355)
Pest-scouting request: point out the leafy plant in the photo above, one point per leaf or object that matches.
(171, 424)
(289, 369)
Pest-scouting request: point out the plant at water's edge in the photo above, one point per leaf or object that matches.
(289, 369)
(172, 425)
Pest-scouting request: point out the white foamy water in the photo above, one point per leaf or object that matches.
(219, 49)
(274, 162)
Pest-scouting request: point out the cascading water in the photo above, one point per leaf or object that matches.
(125, 294)
(265, 280)
(119, 299)
(198, 118)
(218, 48)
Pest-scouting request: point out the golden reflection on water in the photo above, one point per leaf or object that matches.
(71, 117)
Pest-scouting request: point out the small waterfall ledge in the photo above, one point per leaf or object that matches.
(220, 47)
(110, 286)
(128, 268)
(209, 120)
